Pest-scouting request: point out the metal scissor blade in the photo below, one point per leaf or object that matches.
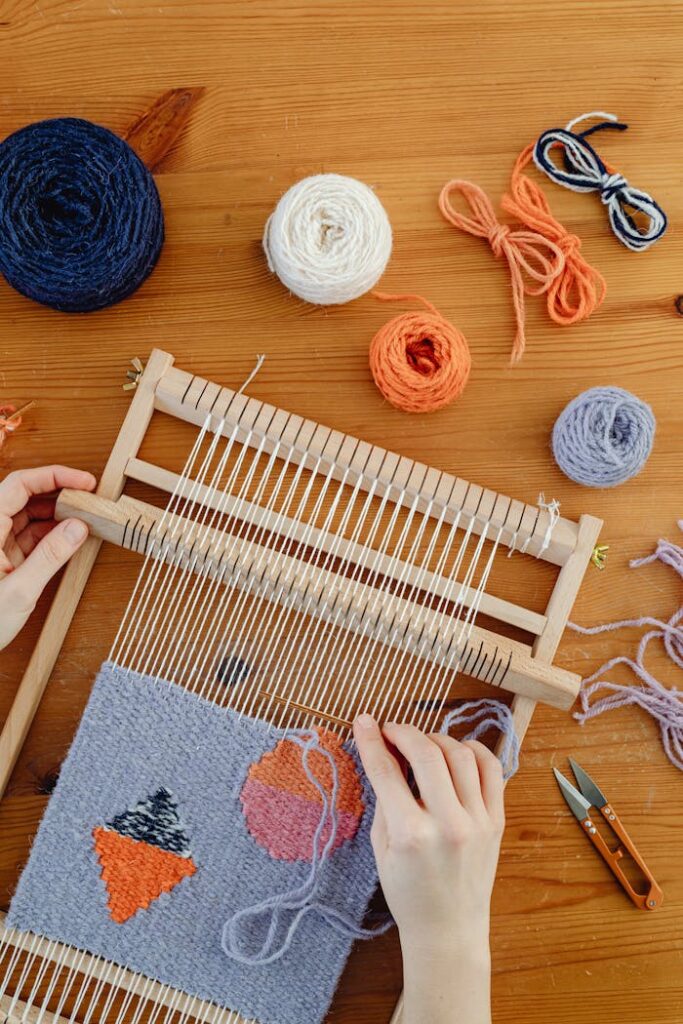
(587, 786)
(578, 805)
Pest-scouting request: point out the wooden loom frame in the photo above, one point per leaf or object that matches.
(527, 671)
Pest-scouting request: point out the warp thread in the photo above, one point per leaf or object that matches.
(585, 171)
(664, 704)
(579, 289)
(328, 239)
(534, 261)
(302, 899)
(81, 223)
(419, 360)
(603, 437)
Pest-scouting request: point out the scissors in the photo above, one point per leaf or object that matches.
(589, 797)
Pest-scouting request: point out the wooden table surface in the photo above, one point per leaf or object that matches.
(404, 96)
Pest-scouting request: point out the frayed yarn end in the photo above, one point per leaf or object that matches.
(664, 704)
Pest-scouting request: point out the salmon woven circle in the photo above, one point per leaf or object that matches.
(282, 807)
(420, 362)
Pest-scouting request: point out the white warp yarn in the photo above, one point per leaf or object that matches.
(328, 239)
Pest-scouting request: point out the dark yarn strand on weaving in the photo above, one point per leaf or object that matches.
(81, 223)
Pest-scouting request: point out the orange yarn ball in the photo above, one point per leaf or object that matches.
(420, 361)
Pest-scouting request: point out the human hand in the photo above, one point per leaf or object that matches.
(32, 545)
(436, 857)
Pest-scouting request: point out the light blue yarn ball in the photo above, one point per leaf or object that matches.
(603, 437)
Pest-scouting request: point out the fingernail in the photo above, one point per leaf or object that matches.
(75, 531)
(366, 722)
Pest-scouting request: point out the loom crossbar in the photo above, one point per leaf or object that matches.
(431, 634)
(436, 584)
(524, 526)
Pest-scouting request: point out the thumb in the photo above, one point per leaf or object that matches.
(25, 585)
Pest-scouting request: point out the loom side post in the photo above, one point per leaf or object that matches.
(558, 611)
(78, 570)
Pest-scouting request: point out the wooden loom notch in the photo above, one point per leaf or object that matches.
(486, 656)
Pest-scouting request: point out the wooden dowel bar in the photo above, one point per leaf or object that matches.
(191, 398)
(386, 565)
(427, 633)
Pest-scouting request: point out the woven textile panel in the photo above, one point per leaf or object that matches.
(170, 815)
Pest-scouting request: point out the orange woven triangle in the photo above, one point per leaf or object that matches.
(136, 873)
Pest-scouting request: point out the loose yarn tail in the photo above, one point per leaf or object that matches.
(579, 289)
(664, 704)
(301, 899)
(485, 715)
(534, 261)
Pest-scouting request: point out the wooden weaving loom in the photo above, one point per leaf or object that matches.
(351, 576)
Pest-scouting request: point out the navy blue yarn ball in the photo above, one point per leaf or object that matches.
(81, 224)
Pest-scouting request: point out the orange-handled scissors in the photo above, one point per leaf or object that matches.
(589, 797)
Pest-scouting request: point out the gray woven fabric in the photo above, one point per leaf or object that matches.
(139, 736)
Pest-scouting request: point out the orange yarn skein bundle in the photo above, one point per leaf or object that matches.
(579, 289)
(419, 360)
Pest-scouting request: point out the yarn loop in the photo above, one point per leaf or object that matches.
(585, 171)
(484, 715)
(419, 360)
(665, 704)
(328, 239)
(603, 437)
(81, 224)
(534, 261)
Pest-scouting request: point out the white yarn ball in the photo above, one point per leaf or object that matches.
(328, 239)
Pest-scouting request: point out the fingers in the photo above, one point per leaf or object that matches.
(384, 774)
(22, 588)
(38, 507)
(428, 763)
(17, 488)
(491, 780)
(32, 534)
(464, 772)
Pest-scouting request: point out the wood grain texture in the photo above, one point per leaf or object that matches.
(404, 96)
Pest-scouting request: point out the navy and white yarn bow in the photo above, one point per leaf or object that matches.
(585, 171)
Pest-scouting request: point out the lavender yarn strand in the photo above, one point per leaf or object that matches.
(485, 715)
(664, 704)
(603, 437)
